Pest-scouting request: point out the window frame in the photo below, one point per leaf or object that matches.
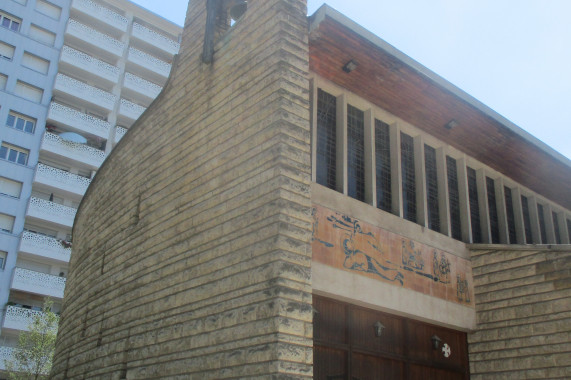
(9, 148)
(15, 116)
(11, 21)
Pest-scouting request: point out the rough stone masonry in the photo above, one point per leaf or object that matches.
(191, 247)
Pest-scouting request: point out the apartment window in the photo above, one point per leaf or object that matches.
(35, 63)
(510, 214)
(556, 228)
(542, 226)
(48, 9)
(10, 187)
(431, 188)
(6, 51)
(355, 153)
(42, 35)
(474, 206)
(569, 228)
(493, 210)
(453, 198)
(14, 154)
(10, 22)
(3, 256)
(27, 91)
(3, 80)
(408, 177)
(326, 139)
(21, 122)
(6, 223)
(383, 165)
(526, 220)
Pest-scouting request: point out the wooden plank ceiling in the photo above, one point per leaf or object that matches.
(389, 83)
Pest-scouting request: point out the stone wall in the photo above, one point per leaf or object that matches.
(523, 307)
(191, 255)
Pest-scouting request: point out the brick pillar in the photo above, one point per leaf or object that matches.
(191, 255)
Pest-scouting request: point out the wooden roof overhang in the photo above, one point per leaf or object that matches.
(393, 81)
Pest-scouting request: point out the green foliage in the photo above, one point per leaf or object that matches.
(32, 359)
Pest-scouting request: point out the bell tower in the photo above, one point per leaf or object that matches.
(192, 255)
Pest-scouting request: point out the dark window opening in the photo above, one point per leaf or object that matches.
(493, 210)
(542, 227)
(474, 206)
(408, 177)
(383, 165)
(526, 220)
(431, 188)
(510, 214)
(355, 153)
(326, 139)
(556, 228)
(454, 198)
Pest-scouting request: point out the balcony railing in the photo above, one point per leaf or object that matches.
(6, 355)
(85, 92)
(156, 39)
(60, 179)
(19, 318)
(101, 13)
(95, 38)
(79, 120)
(89, 64)
(144, 87)
(119, 133)
(130, 110)
(43, 284)
(149, 62)
(78, 152)
(52, 212)
(45, 246)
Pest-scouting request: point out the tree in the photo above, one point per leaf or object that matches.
(32, 359)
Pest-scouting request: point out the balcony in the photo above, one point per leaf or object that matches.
(139, 88)
(130, 110)
(119, 133)
(51, 212)
(43, 284)
(6, 355)
(44, 246)
(61, 180)
(84, 93)
(102, 14)
(19, 318)
(78, 121)
(153, 65)
(82, 153)
(92, 40)
(84, 65)
(155, 39)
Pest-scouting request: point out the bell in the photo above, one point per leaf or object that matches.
(238, 9)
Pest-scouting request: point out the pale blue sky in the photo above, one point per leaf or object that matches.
(512, 55)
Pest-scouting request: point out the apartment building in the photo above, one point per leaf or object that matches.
(74, 76)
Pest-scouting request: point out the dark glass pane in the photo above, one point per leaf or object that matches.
(431, 188)
(29, 127)
(408, 177)
(474, 206)
(3, 152)
(326, 139)
(510, 214)
(569, 228)
(493, 210)
(542, 227)
(383, 165)
(526, 220)
(10, 121)
(22, 158)
(556, 228)
(5, 22)
(355, 153)
(12, 155)
(453, 198)
(20, 124)
(15, 26)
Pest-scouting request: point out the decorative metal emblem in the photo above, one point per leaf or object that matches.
(446, 351)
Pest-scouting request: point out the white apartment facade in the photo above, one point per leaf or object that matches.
(74, 76)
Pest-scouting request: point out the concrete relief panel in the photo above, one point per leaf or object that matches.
(346, 243)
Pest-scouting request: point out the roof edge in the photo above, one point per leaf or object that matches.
(325, 11)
